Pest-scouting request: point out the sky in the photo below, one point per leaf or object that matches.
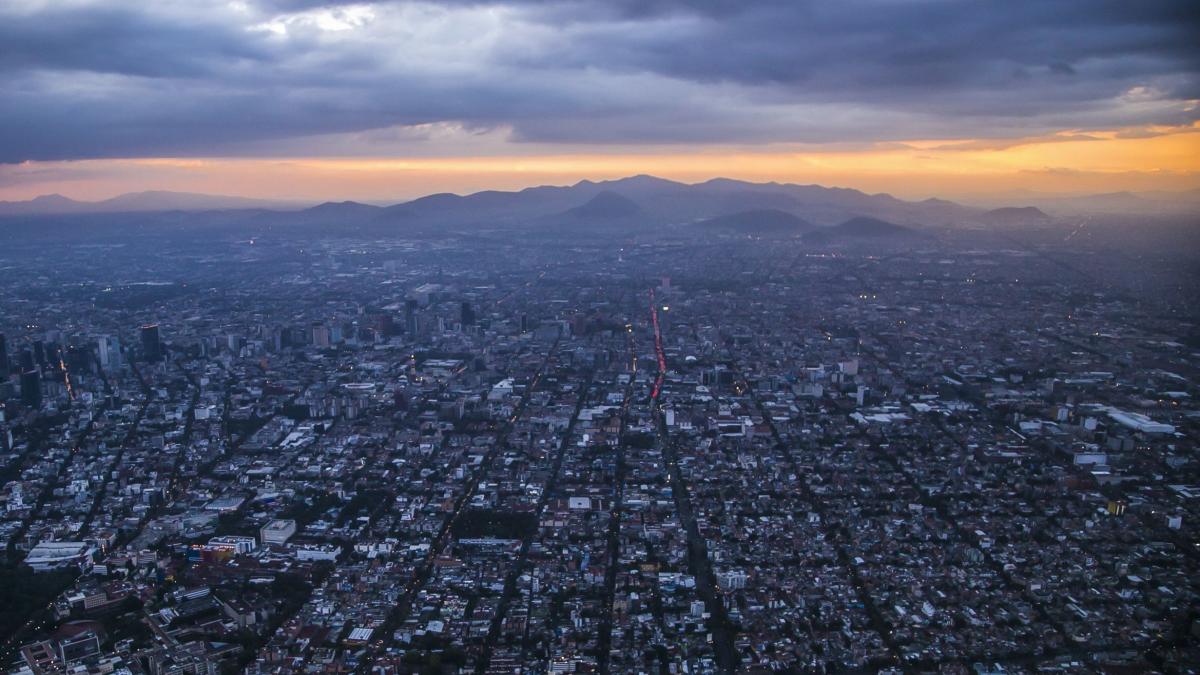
(382, 101)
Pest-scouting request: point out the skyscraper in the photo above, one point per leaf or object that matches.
(320, 335)
(31, 388)
(3, 356)
(410, 317)
(468, 315)
(109, 349)
(151, 342)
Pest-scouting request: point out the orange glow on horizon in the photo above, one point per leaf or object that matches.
(1144, 159)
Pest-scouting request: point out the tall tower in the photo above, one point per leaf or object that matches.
(410, 318)
(109, 349)
(151, 342)
(31, 388)
(320, 335)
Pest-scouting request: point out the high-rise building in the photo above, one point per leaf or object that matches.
(39, 353)
(410, 317)
(109, 349)
(102, 350)
(79, 358)
(383, 324)
(151, 342)
(31, 388)
(468, 315)
(3, 356)
(320, 335)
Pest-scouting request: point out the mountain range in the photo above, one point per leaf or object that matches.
(721, 205)
(136, 202)
(1152, 202)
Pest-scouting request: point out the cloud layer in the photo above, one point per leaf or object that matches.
(126, 78)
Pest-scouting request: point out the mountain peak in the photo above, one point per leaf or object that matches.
(1012, 215)
(341, 206)
(50, 204)
(642, 181)
(53, 198)
(863, 227)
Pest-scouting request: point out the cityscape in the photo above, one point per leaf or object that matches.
(599, 337)
(968, 451)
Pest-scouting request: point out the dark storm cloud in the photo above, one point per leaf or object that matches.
(876, 51)
(119, 40)
(124, 78)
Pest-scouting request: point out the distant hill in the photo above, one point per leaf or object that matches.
(152, 200)
(861, 227)
(54, 203)
(1015, 215)
(1152, 202)
(607, 205)
(159, 200)
(758, 221)
(342, 209)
